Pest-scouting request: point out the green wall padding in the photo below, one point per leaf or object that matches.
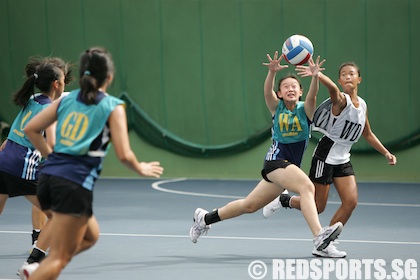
(195, 66)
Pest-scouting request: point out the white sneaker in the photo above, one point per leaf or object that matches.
(27, 269)
(273, 206)
(327, 235)
(199, 226)
(329, 252)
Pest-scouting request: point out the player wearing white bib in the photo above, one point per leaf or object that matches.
(341, 132)
(343, 119)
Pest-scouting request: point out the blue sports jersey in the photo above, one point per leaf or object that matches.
(19, 157)
(82, 138)
(290, 134)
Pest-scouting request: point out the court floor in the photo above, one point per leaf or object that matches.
(145, 235)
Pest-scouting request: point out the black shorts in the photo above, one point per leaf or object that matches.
(16, 186)
(271, 165)
(323, 173)
(64, 196)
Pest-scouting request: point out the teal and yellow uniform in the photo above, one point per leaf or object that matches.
(19, 157)
(290, 134)
(82, 139)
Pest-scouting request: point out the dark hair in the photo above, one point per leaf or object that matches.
(40, 72)
(290, 75)
(95, 66)
(349, 63)
(64, 66)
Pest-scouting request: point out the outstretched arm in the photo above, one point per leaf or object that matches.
(376, 143)
(119, 134)
(337, 98)
(315, 69)
(271, 99)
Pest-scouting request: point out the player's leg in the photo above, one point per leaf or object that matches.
(345, 183)
(67, 234)
(3, 199)
(321, 175)
(294, 179)
(263, 193)
(347, 190)
(39, 218)
(39, 251)
(91, 235)
(38, 221)
(4, 191)
(321, 198)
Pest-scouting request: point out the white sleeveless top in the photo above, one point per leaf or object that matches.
(344, 130)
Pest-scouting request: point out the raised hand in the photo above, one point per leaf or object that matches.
(274, 63)
(313, 68)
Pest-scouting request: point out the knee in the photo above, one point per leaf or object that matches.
(250, 208)
(91, 240)
(48, 213)
(91, 235)
(2, 204)
(65, 260)
(59, 261)
(321, 203)
(350, 204)
(320, 207)
(307, 189)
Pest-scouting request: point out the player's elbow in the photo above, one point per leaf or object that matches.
(31, 134)
(125, 156)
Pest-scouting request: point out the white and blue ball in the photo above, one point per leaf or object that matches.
(297, 49)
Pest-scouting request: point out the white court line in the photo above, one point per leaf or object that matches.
(157, 186)
(239, 238)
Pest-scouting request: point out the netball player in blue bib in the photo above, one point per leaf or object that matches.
(281, 171)
(19, 160)
(86, 119)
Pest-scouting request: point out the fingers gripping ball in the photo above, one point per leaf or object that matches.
(297, 49)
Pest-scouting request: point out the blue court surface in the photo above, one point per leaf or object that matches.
(145, 235)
